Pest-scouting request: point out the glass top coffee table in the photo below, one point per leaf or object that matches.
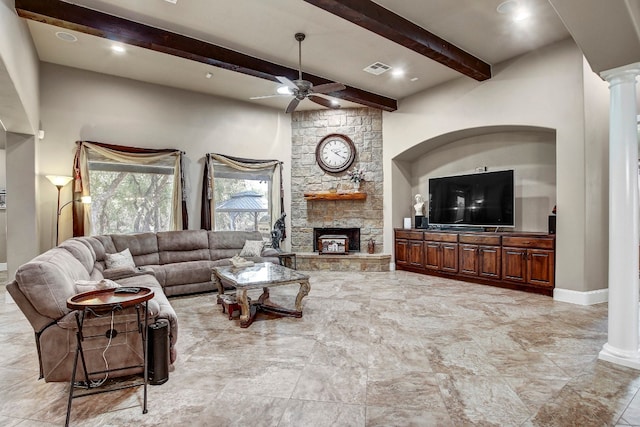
(262, 275)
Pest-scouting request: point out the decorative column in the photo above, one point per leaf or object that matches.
(622, 344)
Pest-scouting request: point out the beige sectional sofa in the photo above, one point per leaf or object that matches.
(171, 263)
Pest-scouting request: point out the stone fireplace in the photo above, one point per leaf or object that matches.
(352, 233)
(364, 214)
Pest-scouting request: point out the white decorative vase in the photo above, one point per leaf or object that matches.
(356, 186)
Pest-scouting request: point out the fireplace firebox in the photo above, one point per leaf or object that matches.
(353, 234)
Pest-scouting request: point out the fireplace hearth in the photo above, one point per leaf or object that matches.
(352, 233)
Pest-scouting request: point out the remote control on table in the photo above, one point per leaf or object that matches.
(126, 290)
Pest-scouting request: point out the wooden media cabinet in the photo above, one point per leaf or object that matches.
(524, 261)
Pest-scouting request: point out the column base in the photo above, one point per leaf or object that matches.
(630, 359)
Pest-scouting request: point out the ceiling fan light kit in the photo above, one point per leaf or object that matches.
(301, 89)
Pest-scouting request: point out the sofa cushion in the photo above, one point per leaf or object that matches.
(181, 246)
(225, 244)
(80, 251)
(184, 272)
(49, 279)
(101, 246)
(143, 247)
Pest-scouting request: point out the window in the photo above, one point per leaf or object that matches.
(133, 190)
(128, 198)
(241, 194)
(242, 200)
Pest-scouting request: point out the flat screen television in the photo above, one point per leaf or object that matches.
(483, 199)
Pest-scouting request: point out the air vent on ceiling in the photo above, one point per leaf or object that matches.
(377, 68)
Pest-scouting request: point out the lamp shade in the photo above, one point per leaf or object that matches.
(58, 180)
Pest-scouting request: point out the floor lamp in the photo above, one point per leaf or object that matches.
(59, 182)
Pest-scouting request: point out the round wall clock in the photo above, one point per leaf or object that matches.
(335, 153)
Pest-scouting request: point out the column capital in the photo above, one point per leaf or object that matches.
(620, 74)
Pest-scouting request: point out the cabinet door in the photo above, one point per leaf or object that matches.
(415, 253)
(432, 258)
(514, 264)
(449, 257)
(540, 267)
(469, 260)
(402, 252)
(489, 264)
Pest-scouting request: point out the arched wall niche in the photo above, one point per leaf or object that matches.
(529, 150)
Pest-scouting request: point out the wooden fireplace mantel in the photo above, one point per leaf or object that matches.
(326, 195)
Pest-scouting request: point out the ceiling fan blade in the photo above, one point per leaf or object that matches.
(322, 101)
(288, 83)
(292, 105)
(329, 87)
(268, 96)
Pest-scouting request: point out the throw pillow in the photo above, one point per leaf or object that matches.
(95, 285)
(120, 259)
(252, 248)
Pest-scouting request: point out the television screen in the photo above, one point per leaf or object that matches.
(482, 199)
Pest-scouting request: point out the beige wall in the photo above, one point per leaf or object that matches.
(3, 212)
(82, 105)
(19, 112)
(542, 89)
(532, 155)
(18, 73)
(596, 117)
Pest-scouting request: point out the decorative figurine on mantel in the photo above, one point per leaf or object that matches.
(279, 233)
(419, 208)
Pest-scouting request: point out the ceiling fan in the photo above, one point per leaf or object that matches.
(302, 89)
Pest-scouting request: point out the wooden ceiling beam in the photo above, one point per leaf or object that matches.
(88, 21)
(387, 24)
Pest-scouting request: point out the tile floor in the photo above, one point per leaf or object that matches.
(373, 349)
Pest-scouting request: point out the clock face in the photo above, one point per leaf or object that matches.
(335, 153)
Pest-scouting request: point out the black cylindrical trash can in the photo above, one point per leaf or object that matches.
(158, 352)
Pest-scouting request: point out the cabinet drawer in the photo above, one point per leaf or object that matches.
(411, 235)
(479, 239)
(529, 242)
(441, 237)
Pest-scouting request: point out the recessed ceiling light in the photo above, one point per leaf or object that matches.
(208, 75)
(118, 48)
(515, 9)
(521, 14)
(68, 37)
(397, 72)
(171, 1)
(284, 90)
(335, 103)
(414, 79)
(507, 7)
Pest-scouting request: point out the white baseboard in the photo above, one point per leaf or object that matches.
(624, 358)
(581, 298)
(3, 266)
